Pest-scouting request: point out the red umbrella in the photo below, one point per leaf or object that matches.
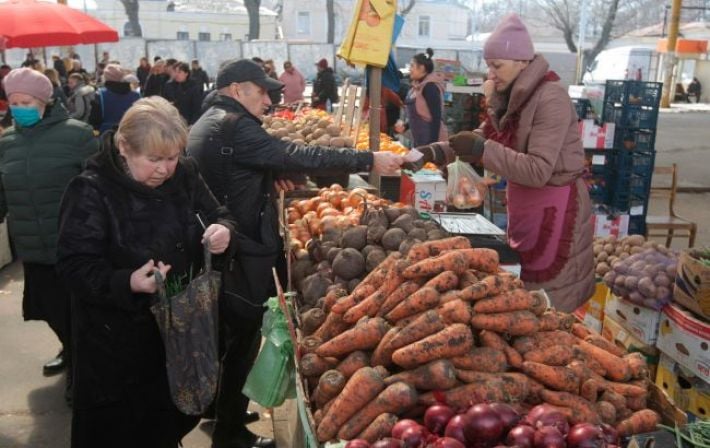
(31, 23)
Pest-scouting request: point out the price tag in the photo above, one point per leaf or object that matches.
(636, 210)
(598, 159)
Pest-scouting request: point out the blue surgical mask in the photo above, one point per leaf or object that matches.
(25, 116)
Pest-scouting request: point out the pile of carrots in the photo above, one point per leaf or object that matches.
(444, 324)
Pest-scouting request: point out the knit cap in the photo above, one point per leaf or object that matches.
(113, 73)
(510, 40)
(30, 82)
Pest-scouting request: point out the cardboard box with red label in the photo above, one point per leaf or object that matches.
(605, 225)
(592, 312)
(597, 137)
(686, 339)
(692, 284)
(425, 192)
(641, 321)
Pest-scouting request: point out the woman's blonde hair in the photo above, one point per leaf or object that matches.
(53, 76)
(152, 126)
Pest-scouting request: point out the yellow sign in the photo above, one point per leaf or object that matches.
(369, 38)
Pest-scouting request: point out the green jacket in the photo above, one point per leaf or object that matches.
(36, 165)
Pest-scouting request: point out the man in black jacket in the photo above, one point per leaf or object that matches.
(239, 161)
(325, 88)
(184, 93)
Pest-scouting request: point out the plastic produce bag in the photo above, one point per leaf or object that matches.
(645, 278)
(465, 189)
(272, 379)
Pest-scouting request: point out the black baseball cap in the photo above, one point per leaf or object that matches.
(245, 70)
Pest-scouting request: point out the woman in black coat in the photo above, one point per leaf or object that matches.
(132, 211)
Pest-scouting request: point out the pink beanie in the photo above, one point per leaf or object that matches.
(510, 40)
(30, 82)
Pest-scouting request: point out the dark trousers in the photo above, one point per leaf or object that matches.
(241, 338)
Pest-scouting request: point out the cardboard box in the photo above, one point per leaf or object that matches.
(690, 393)
(592, 312)
(604, 225)
(426, 192)
(686, 339)
(641, 321)
(614, 332)
(692, 285)
(597, 137)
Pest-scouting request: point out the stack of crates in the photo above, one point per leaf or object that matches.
(623, 181)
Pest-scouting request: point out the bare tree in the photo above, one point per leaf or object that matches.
(330, 11)
(133, 27)
(406, 7)
(252, 7)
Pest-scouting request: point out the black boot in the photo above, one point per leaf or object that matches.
(55, 366)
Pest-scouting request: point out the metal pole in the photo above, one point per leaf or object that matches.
(375, 107)
(668, 87)
(580, 43)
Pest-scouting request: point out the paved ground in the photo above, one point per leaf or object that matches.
(32, 409)
(683, 137)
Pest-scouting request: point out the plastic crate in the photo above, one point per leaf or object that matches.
(599, 161)
(636, 93)
(621, 200)
(628, 162)
(637, 225)
(635, 184)
(635, 140)
(631, 117)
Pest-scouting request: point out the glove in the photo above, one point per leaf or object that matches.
(437, 153)
(468, 146)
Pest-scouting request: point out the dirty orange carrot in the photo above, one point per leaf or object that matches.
(514, 323)
(333, 326)
(482, 359)
(606, 411)
(345, 303)
(313, 365)
(353, 362)
(443, 282)
(452, 341)
(554, 320)
(429, 249)
(361, 388)
(436, 375)
(637, 364)
(584, 372)
(618, 400)
(397, 296)
(515, 300)
(408, 320)
(462, 397)
(481, 259)
(396, 399)
(468, 278)
(318, 416)
(451, 261)
(590, 389)
(639, 422)
(380, 428)
(583, 410)
(557, 355)
(329, 385)
(309, 345)
(616, 368)
(489, 286)
(515, 386)
(367, 307)
(541, 304)
(456, 311)
(580, 330)
(332, 296)
(363, 336)
(368, 285)
(422, 300)
(626, 389)
(450, 296)
(604, 344)
(382, 356)
(425, 325)
(637, 403)
(554, 377)
(494, 340)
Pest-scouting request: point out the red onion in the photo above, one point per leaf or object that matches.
(536, 412)
(357, 443)
(507, 414)
(400, 426)
(388, 442)
(555, 419)
(521, 436)
(485, 428)
(436, 418)
(585, 435)
(448, 442)
(610, 434)
(549, 437)
(414, 437)
(455, 428)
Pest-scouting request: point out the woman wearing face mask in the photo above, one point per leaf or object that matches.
(39, 155)
(134, 210)
(531, 139)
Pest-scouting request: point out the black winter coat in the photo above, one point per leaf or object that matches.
(325, 88)
(110, 225)
(237, 180)
(186, 97)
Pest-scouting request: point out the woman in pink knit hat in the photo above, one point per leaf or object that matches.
(531, 139)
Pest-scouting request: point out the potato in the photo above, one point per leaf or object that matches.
(636, 250)
(603, 256)
(672, 269)
(624, 255)
(608, 248)
(277, 124)
(337, 142)
(602, 268)
(323, 140)
(318, 133)
(620, 281)
(333, 130)
(348, 142)
(598, 248)
(635, 240)
(663, 293)
(609, 277)
(662, 279)
(646, 287)
(631, 282)
(281, 133)
(323, 123)
(393, 238)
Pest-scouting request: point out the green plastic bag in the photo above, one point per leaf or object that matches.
(273, 379)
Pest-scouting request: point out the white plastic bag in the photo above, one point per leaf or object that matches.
(465, 189)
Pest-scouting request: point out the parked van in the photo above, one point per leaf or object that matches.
(637, 63)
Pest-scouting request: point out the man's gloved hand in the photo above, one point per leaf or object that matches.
(468, 146)
(436, 153)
